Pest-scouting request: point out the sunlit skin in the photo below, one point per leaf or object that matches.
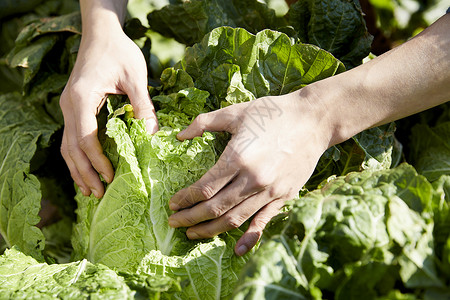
(108, 62)
(252, 182)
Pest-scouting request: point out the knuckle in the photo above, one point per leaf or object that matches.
(261, 222)
(207, 191)
(84, 143)
(70, 151)
(214, 211)
(63, 100)
(75, 91)
(233, 221)
(261, 181)
(275, 191)
(200, 120)
(64, 151)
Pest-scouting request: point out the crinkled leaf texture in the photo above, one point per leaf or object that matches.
(235, 66)
(128, 228)
(22, 277)
(358, 236)
(189, 21)
(25, 127)
(430, 149)
(46, 40)
(372, 149)
(337, 26)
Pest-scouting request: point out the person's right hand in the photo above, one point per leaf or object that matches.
(107, 63)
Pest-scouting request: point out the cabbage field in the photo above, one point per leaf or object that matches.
(372, 222)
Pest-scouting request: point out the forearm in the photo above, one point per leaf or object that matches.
(408, 79)
(102, 16)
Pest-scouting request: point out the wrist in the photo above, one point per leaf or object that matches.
(102, 17)
(311, 111)
(327, 102)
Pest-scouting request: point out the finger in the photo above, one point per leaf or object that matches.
(142, 105)
(236, 192)
(249, 239)
(83, 166)
(219, 120)
(234, 218)
(225, 169)
(86, 128)
(72, 168)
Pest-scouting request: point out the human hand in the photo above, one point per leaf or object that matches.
(275, 145)
(107, 63)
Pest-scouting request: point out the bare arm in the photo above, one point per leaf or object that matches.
(408, 79)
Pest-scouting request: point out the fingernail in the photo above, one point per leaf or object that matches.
(106, 178)
(96, 193)
(181, 133)
(173, 223)
(174, 206)
(241, 250)
(151, 125)
(83, 191)
(192, 235)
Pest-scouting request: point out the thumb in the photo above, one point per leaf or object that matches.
(143, 106)
(220, 120)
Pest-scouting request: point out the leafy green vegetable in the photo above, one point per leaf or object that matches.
(57, 240)
(77, 280)
(334, 25)
(189, 21)
(431, 149)
(210, 270)
(372, 149)
(360, 235)
(237, 66)
(25, 128)
(375, 234)
(45, 39)
(10, 7)
(441, 232)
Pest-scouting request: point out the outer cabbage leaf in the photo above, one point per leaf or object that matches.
(65, 23)
(30, 57)
(44, 40)
(430, 149)
(210, 270)
(371, 149)
(134, 210)
(57, 240)
(359, 235)
(22, 277)
(234, 65)
(189, 21)
(25, 128)
(334, 25)
(441, 231)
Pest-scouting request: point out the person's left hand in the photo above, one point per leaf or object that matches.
(275, 145)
